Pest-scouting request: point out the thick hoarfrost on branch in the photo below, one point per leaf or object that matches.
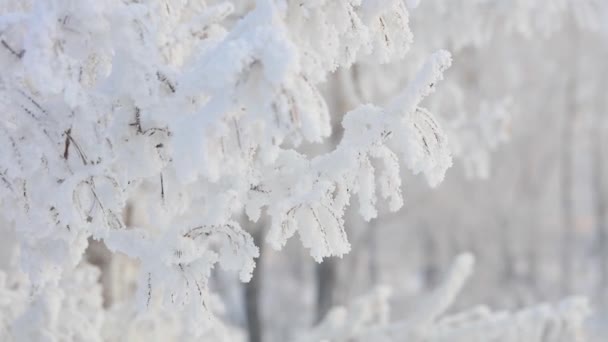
(73, 311)
(70, 311)
(197, 114)
(323, 185)
(368, 318)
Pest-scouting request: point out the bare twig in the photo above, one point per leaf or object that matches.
(19, 54)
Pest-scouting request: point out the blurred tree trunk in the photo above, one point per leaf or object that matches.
(570, 110)
(372, 248)
(599, 198)
(566, 201)
(531, 189)
(118, 272)
(431, 268)
(253, 288)
(327, 275)
(98, 254)
(507, 273)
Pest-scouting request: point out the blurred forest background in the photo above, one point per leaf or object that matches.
(525, 103)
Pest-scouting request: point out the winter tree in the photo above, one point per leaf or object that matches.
(200, 115)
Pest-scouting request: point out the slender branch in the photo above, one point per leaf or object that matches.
(19, 54)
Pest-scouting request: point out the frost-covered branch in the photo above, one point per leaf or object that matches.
(368, 318)
(196, 114)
